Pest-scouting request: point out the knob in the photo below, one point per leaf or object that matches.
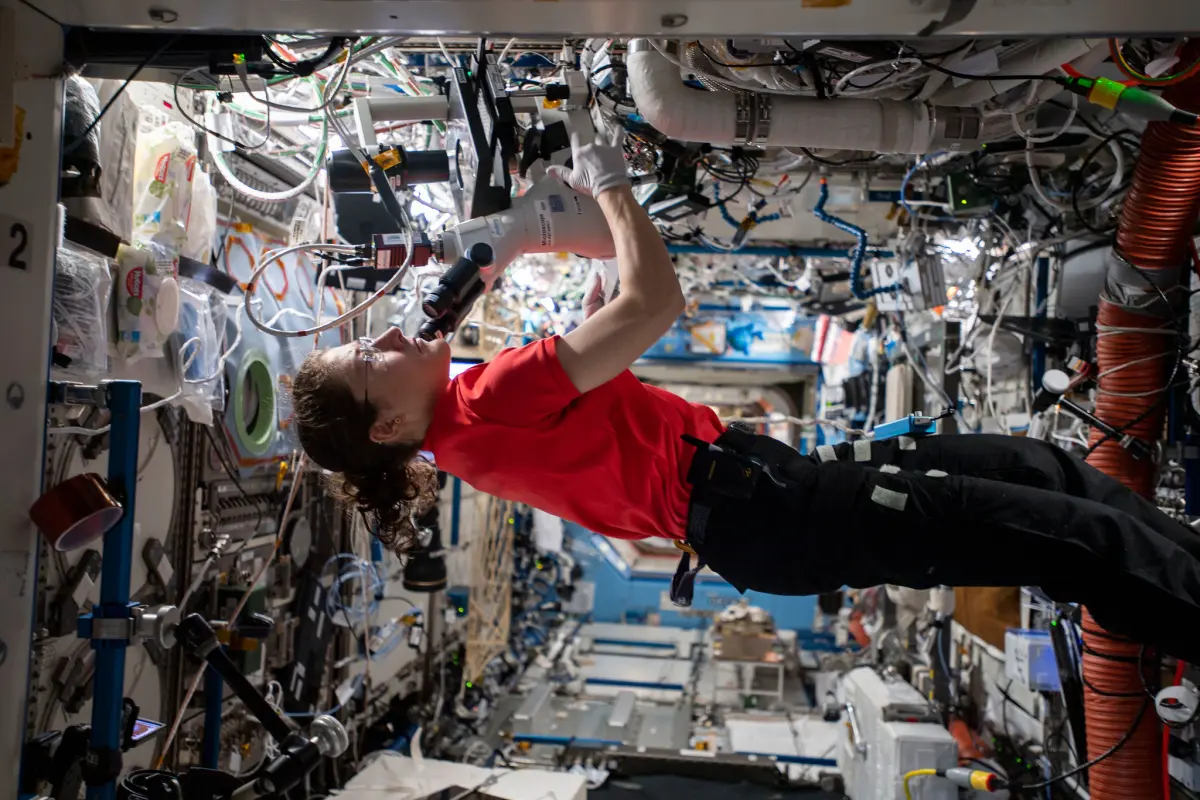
(329, 736)
(481, 254)
(1056, 381)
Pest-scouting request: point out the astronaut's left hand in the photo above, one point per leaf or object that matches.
(593, 293)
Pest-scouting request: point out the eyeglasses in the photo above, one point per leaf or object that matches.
(367, 350)
(370, 354)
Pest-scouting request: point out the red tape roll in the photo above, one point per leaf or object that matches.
(76, 512)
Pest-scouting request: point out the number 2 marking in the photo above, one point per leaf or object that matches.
(20, 235)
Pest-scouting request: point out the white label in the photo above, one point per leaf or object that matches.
(235, 761)
(14, 243)
(345, 691)
(545, 225)
(165, 571)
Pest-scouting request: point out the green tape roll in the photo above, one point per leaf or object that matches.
(255, 427)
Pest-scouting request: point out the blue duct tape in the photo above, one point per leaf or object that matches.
(782, 251)
(628, 643)
(668, 687)
(807, 760)
(455, 511)
(540, 738)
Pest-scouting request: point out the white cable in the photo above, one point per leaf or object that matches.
(332, 89)
(1127, 364)
(352, 314)
(1029, 137)
(445, 53)
(157, 404)
(839, 88)
(727, 81)
(507, 47)
(270, 197)
(1114, 185)
(991, 342)
(331, 95)
(201, 575)
(1115, 330)
(290, 312)
(237, 324)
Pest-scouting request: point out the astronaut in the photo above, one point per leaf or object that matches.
(563, 425)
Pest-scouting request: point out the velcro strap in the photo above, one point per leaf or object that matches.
(683, 584)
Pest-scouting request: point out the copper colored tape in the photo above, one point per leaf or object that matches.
(77, 511)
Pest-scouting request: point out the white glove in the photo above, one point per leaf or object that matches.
(597, 165)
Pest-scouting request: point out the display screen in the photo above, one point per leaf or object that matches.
(143, 728)
(460, 365)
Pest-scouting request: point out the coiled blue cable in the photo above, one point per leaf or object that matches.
(733, 223)
(725, 215)
(860, 250)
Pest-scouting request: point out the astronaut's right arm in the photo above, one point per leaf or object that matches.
(609, 341)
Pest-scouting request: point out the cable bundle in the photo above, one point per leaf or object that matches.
(370, 582)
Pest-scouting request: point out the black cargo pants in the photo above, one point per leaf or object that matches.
(970, 510)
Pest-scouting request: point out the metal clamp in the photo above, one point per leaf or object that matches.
(762, 129)
(752, 118)
(77, 394)
(140, 623)
(744, 106)
(156, 624)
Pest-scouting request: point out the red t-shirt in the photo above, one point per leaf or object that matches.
(610, 460)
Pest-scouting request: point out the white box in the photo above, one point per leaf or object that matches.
(893, 748)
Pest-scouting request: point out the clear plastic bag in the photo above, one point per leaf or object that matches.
(202, 226)
(163, 172)
(147, 299)
(199, 342)
(82, 289)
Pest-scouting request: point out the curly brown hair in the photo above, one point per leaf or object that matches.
(388, 483)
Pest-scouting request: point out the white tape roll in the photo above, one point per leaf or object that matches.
(166, 309)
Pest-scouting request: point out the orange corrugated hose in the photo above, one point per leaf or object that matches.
(1155, 234)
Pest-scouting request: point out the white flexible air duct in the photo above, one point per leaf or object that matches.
(1038, 59)
(721, 118)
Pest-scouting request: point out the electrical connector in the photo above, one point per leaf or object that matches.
(977, 779)
(1131, 100)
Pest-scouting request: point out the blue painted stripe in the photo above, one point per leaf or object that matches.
(671, 687)
(782, 361)
(740, 310)
(664, 578)
(757, 250)
(627, 643)
(455, 511)
(541, 738)
(809, 760)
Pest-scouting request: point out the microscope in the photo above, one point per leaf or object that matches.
(479, 161)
